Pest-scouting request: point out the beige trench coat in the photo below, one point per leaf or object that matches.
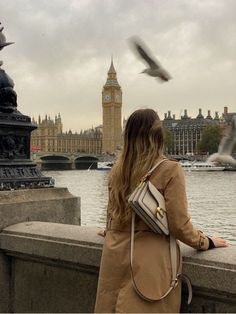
(152, 268)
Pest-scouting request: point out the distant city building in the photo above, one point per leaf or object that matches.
(111, 105)
(49, 137)
(226, 118)
(187, 132)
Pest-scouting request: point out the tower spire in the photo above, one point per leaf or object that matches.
(111, 75)
(112, 69)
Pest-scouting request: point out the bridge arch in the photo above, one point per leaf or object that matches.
(86, 162)
(55, 162)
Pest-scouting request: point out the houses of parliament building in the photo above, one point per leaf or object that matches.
(49, 136)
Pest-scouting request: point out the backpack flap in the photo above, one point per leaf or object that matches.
(153, 201)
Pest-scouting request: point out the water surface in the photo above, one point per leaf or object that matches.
(211, 198)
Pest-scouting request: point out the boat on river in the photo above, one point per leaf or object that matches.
(200, 166)
(230, 168)
(104, 166)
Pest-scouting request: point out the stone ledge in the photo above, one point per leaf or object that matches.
(68, 243)
(223, 257)
(46, 204)
(55, 231)
(213, 270)
(29, 195)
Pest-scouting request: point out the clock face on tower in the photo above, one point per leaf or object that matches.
(118, 96)
(107, 97)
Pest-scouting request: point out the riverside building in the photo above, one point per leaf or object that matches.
(49, 137)
(186, 132)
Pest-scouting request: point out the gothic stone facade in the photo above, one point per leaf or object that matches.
(49, 137)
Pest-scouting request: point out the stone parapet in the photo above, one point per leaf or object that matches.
(45, 204)
(54, 241)
(54, 268)
(213, 277)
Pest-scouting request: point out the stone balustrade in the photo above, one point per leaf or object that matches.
(53, 267)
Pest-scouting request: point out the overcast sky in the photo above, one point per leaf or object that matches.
(63, 48)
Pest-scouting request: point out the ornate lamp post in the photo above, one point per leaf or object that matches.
(16, 168)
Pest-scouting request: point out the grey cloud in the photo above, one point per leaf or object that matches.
(63, 50)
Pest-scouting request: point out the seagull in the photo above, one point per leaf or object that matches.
(3, 42)
(155, 69)
(226, 146)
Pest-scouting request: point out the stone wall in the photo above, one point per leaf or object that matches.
(45, 204)
(52, 267)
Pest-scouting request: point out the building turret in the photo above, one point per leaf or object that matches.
(209, 117)
(111, 77)
(185, 116)
(200, 116)
(216, 116)
(225, 111)
(59, 124)
(169, 115)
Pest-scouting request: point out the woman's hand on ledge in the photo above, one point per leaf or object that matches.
(102, 233)
(219, 242)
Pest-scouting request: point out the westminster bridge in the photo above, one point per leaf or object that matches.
(66, 161)
(72, 161)
(79, 161)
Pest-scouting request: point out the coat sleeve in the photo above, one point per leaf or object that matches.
(179, 222)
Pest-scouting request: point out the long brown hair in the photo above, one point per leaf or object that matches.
(143, 144)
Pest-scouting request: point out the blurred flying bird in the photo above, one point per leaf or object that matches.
(155, 69)
(226, 146)
(3, 42)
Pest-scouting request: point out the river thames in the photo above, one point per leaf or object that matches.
(211, 198)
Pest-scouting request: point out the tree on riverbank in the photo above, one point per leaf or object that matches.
(211, 138)
(168, 141)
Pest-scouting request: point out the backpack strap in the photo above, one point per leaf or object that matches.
(173, 256)
(175, 273)
(147, 175)
(156, 165)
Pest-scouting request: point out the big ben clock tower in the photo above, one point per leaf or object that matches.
(111, 104)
